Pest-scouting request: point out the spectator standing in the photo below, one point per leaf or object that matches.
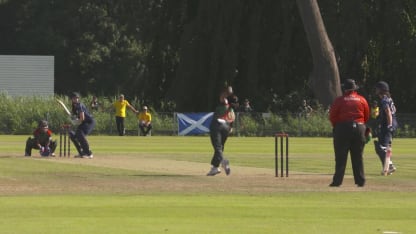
(95, 105)
(305, 109)
(120, 108)
(348, 115)
(246, 107)
(145, 121)
(374, 112)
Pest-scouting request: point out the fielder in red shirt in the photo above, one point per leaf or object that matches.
(348, 115)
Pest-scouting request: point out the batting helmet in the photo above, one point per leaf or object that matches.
(75, 94)
(43, 124)
(383, 86)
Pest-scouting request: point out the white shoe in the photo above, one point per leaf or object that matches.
(88, 156)
(225, 164)
(392, 169)
(214, 171)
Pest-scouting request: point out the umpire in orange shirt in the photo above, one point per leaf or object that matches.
(348, 115)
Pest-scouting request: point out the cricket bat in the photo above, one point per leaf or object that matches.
(387, 160)
(64, 106)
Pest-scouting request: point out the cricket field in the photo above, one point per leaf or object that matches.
(158, 184)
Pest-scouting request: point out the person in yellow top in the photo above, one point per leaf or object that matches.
(374, 112)
(145, 121)
(120, 107)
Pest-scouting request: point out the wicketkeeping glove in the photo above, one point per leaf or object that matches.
(45, 151)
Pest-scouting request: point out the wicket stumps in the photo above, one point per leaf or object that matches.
(281, 137)
(64, 133)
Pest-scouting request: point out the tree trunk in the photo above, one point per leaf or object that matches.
(324, 79)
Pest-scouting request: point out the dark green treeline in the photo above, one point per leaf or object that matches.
(176, 54)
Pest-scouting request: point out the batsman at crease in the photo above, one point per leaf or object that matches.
(85, 127)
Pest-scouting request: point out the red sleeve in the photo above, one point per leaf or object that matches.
(333, 111)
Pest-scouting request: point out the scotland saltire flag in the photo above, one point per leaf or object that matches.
(194, 123)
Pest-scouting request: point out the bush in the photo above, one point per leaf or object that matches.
(20, 115)
(315, 124)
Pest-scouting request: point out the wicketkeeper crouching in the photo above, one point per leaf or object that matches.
(41, 140)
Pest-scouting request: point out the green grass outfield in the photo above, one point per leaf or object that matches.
(158, 185)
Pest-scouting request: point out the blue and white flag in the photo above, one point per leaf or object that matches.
(194, 123)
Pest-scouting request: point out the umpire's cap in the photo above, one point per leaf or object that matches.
(349, 85)
(383, 86)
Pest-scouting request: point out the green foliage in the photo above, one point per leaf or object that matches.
(313, 124)
(20, 115)
(154, 49)
(406, 131)
(266, 124)
(246, 125)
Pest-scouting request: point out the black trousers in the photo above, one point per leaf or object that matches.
(349, 137)
(31, 143)
(384, 138)
(219, 134)
(79, 138)
(120, 125)
(144, 130)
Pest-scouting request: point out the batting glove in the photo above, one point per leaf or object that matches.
(390, 128)
(75, 121)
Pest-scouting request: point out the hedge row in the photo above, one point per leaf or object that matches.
(20, 115)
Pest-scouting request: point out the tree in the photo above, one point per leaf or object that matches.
(324, 79)
(208, 55)
(182, 52)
